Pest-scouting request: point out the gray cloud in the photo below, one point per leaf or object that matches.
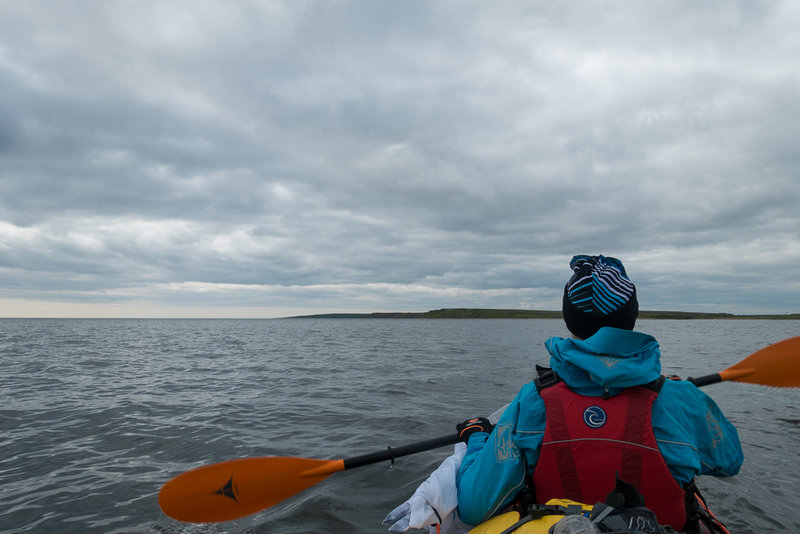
(382, 155)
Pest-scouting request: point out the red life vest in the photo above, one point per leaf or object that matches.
(588, 440)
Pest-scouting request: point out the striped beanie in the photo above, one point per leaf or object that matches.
(598, 294)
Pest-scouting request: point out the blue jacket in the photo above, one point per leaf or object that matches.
(693, 435)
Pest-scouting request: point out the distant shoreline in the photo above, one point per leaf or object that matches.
(480, 313)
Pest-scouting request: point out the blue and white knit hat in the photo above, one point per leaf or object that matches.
(598, 294)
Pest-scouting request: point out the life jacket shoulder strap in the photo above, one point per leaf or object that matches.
(656, 384)
(545, 378)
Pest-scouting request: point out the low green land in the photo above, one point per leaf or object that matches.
(479, 313)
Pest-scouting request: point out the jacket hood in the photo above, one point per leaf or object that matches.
(609, 360)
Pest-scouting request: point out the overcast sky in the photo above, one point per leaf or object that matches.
(265, 158)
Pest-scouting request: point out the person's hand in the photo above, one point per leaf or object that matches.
(470, 426)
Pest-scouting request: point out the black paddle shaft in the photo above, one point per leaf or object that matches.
(701, 381)
(395, 452)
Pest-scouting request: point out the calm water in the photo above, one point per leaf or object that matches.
(98, 414)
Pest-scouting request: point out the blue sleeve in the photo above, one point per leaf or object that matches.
(493, 469)
(693, 434)
(718, 441)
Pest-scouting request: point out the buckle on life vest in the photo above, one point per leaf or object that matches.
(546, 378)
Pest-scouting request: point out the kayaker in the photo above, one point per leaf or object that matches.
(603, 409)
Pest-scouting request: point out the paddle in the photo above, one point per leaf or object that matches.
(237, 488)
(776, 365)
(229, 490)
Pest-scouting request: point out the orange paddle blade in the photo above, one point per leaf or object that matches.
(229, 490)
(775, 365)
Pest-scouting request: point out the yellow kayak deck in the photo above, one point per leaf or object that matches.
(540, 525)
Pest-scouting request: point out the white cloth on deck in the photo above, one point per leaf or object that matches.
(436, 495)
(437, 492)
